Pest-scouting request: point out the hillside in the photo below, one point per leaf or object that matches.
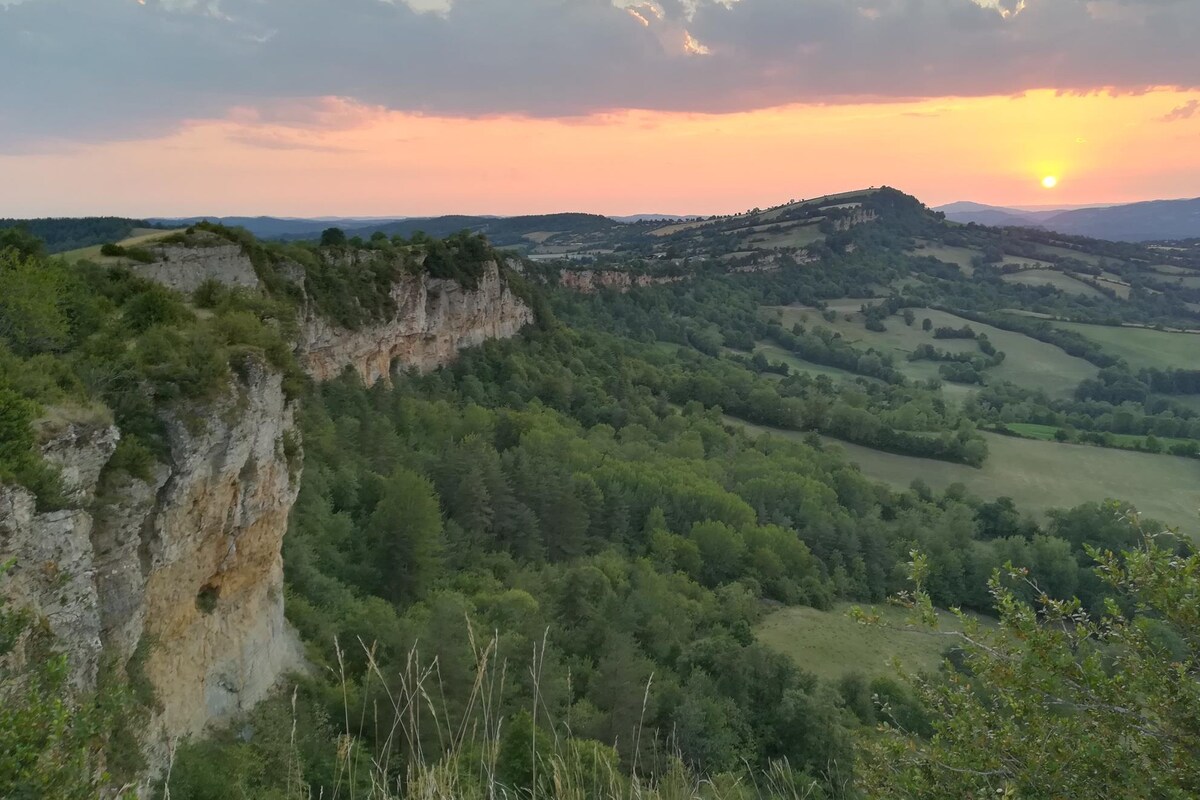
(583, 515)
(62, 234)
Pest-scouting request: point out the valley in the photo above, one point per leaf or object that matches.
(663, 457)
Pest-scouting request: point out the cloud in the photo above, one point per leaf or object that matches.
(111, 69)
(1185, 111)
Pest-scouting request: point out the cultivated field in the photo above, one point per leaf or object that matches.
(829, 643)
(1143, 347)
(1028, 362)
(1043, 475)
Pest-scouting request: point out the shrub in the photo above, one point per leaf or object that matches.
(140, 255)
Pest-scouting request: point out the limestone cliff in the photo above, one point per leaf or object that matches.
(184, 566)
(180, 567)
(434, 319)
(208, 257)
(588, 281)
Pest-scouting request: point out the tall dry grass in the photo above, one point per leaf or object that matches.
(463, 764)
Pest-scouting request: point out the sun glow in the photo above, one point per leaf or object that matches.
(1049, 182)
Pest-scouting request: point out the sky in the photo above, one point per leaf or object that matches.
(423, 107)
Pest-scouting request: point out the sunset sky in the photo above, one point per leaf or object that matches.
(382, 107)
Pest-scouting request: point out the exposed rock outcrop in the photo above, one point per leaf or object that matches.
(434, 319)
(588, 281)
(854, 217)
(185, 565)
(184, 267)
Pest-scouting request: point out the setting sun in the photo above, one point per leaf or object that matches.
(1049, 182)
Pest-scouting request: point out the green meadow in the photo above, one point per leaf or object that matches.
(1028, 362)
(830, 644)
(1143, 347)
(1041, 475)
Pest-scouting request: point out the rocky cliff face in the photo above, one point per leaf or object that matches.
(434, 319)
(184, 267)
(588, 280)
(182, 570)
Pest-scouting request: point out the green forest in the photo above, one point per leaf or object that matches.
(543, 570)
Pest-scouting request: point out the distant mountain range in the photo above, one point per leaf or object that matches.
(1134, 222)
(498, 229)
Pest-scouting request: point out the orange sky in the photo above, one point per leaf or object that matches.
(333, 157)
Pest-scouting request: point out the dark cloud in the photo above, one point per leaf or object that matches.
(90, 69)
(1185, 111)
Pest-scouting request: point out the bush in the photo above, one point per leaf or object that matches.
(140, 255)
(112, 250)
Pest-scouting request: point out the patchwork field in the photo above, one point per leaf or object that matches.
(775, 353)
(1050, 277)
(1028, 362)
(1143, 347)
(1042, 475)
(829, 643)
(796, 236)
(960, 256)
(1066, 252)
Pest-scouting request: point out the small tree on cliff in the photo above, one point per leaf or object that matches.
(333, 237)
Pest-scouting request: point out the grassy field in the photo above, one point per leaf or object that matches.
(1170, 269)
(829, 643)
(1121, 440)
(1028, 263)
(960, 256)
(796, 236)
(1043, 475)
(1028, 362)
(775, 353)
(140, 236)
(1066, 252)
(1143, 347)
(1049, 277)
(1114, 282)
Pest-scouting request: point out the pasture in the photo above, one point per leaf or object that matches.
(829, 643)
(961, 257)
(1028, 362)
(1119, 440)
(1039, 475)
(140, 237)
(1143, 347)
(1050, 277)
(776, 354)
(795, 236)
(1054, 252)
